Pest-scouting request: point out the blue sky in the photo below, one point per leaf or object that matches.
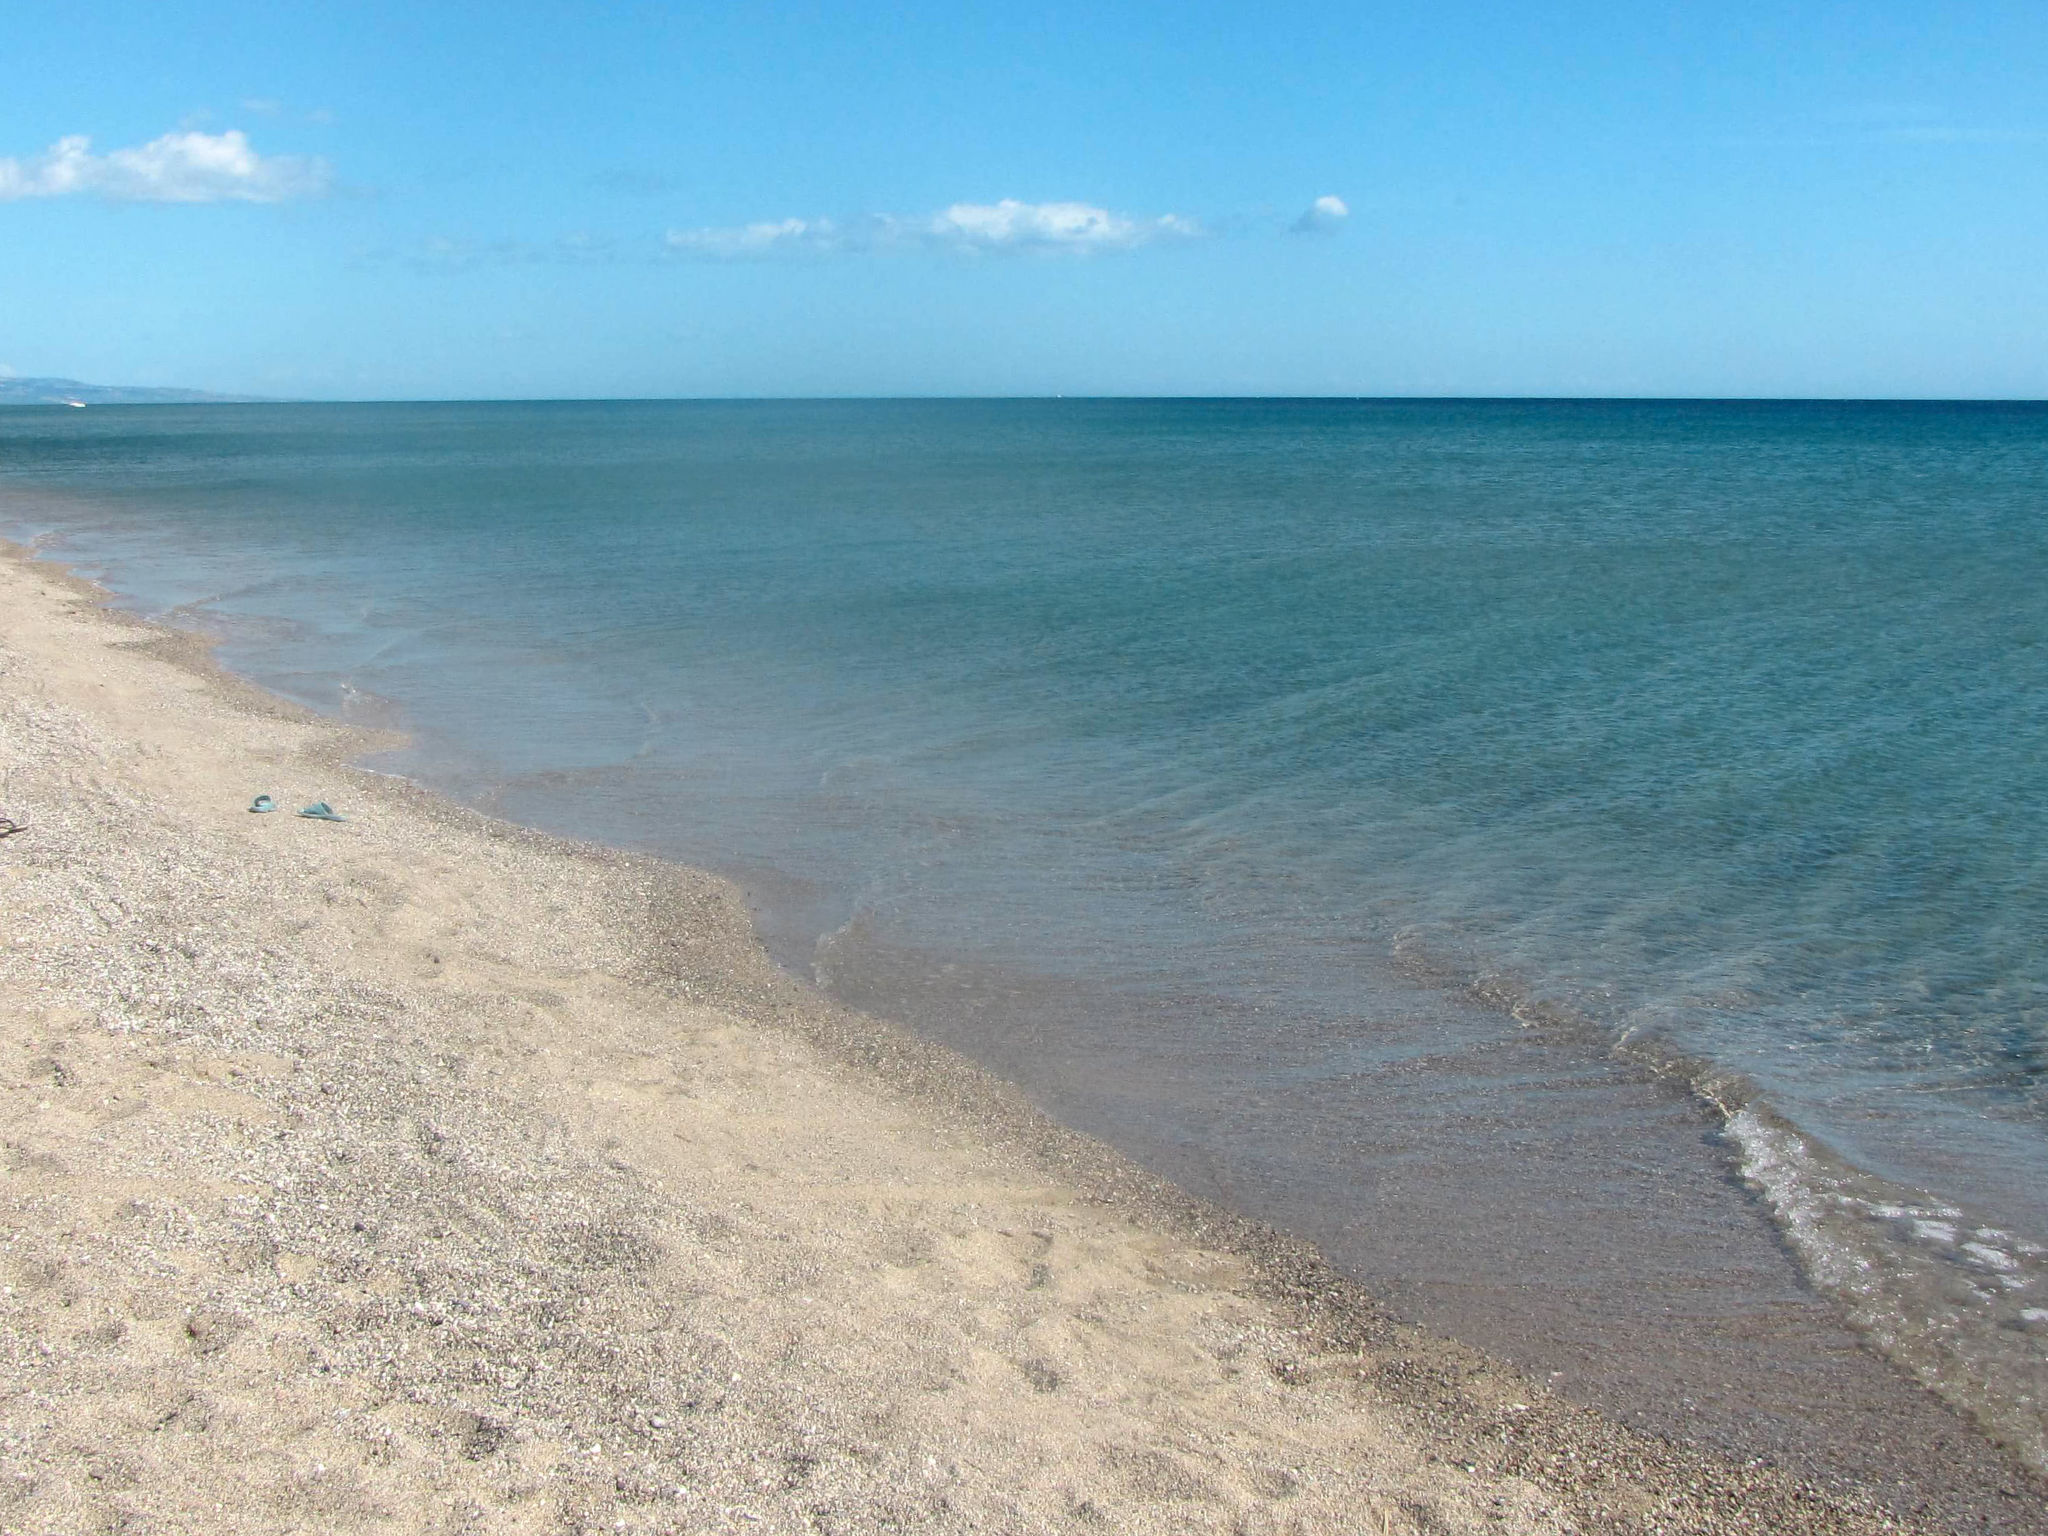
(522, 199)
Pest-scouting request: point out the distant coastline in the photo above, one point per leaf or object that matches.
(44, 391)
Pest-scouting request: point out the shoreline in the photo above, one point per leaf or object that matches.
(1470, 1137)
(584, 950)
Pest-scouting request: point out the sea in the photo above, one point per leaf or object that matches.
(1582, 863)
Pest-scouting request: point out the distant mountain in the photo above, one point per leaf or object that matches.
(15, 391)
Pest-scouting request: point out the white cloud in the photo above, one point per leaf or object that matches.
(187, 167)
(262, 106)
(1324, 216)
(1011, 225)
(1008, 225)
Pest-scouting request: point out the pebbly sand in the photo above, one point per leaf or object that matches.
(421, 1173)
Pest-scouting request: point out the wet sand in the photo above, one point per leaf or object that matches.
(1525, 1189)
(422, 1173)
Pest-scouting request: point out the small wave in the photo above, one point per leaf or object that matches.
(856, 931)
(1959, 1305)
(1953, 1303)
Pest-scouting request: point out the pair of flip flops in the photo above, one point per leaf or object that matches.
(9, 826)
(319, 810)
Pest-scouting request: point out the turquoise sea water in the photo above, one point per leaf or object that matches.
(1265, 784)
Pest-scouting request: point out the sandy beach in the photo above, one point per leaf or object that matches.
(421, 1173)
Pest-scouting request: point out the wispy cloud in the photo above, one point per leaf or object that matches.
(1325, 216)
(272, 106)
(968, 228)
(1935, 133)
(783, 237)
(446, 254)
(639, 183)
(185, 167)
(1878, 124)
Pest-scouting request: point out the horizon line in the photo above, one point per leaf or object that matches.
(997, 399)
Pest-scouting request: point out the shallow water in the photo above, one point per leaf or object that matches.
(1423, 823)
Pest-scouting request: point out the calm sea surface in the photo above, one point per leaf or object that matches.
(1584, 863)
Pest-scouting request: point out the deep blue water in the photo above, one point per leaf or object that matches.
(1167, 753)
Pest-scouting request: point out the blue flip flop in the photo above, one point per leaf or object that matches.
(320, 810)
(261, 804)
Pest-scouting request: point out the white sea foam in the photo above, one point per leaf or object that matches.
(1892, 1258)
